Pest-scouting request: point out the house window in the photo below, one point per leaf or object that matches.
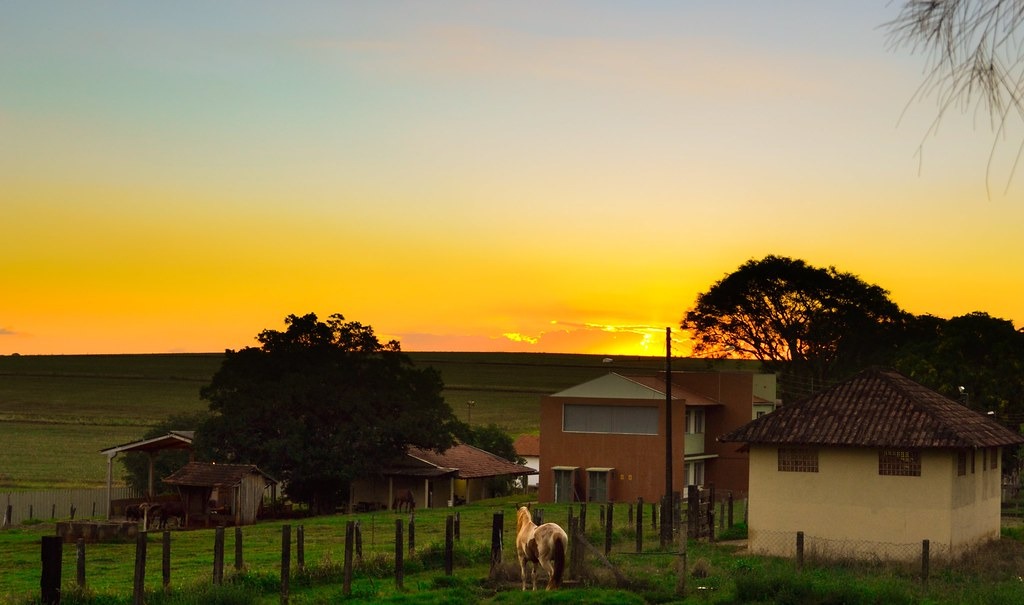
(693, 472)
(961, 464)
(694, 421)
(798, 459)
(618, 419)
(903, 463)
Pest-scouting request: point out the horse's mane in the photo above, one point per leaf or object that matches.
(522, 518)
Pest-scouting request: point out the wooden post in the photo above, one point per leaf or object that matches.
(497, 527)
(286, 561)
(654, 516)
(73, 510)
(347, 583)
(799, 551)
(399, 559)
(139, 586)
(239, 563)
(359, 542)
(218, 555)
(639, 525)
(449, 544)
(730, 510)
(165, 560)
(412, 536)
(692, 510)
(681, 570)
(300, 547)
(607, 529)
(582, 524)
(8, 512)
(925, 555)
(49, 580)
(53, 511)
(80, 563)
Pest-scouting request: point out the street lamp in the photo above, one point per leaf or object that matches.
(469, 411)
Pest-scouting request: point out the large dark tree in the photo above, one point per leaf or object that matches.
(321, 403)
(814, 325)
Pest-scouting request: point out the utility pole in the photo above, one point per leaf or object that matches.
(667, 514)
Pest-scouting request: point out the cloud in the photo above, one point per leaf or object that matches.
(7, 332)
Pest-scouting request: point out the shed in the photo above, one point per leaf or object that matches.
(232, 489)
(871, 467)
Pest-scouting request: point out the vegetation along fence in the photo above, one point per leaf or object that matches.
(20, 507)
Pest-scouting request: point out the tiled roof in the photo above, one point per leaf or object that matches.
(212, 475)
(469, 462)
(876, 408)
(527, 445)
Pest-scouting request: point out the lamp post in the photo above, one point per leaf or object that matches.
(469, 411)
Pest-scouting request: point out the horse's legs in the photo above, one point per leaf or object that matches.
(522, 571)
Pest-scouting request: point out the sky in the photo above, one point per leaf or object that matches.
(474, 176)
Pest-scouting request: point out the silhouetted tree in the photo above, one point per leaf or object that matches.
(322, 403)
(813, 325)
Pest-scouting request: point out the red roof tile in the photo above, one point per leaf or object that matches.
(877, 408)
(527, 445)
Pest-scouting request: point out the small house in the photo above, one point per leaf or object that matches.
(871, 468)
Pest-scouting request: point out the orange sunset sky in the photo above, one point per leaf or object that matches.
(493, 176)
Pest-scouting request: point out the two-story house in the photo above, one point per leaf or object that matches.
(605, 440)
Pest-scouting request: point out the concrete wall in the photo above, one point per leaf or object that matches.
(853, 510)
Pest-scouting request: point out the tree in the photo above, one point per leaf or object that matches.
(165, 462)
(811, 324)
(975, 52)
(322, 403)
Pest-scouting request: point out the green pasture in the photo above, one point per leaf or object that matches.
(715, 573)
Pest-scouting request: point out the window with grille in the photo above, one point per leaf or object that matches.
(903, 463)
(798, 459)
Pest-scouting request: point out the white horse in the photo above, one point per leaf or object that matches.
(544, 546)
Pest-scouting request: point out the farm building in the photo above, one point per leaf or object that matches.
(174, 440)
(220, 493)
(528, 447)
(604, 440)
(872, 467)
(459, 474)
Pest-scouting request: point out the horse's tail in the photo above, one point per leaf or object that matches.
(558, 559)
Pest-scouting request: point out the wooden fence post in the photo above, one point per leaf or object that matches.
(654, 516)
(8, 512)
(608, 529)
(286, 561)
(449, 544)
(49, 580)
(497, 529)
(300, 547)
(925, 556)
(412, 536)
(399, 559)
(639, 525)
(730, 510)
(799, 551)
(218, 555)
(239, 563)
(80, 563)
(349, 536)
(139, 586)
(165, 560)
(359, 542)
(692, 511)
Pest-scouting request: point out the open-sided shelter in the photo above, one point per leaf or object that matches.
(436, 479)
(872, 467)
(174, 440)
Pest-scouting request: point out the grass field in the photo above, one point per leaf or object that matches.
(57, 412)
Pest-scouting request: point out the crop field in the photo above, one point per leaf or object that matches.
(58, 411)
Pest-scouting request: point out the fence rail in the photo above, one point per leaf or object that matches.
(59, 503)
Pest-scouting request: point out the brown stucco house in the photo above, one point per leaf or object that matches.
(436, 479)
(872, 467)
(604, 440)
